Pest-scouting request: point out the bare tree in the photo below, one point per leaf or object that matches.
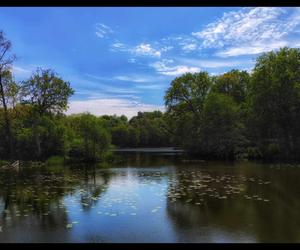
(6, 60)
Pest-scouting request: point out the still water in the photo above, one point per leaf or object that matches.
(151, 197)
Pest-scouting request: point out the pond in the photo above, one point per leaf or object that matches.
(151, 197)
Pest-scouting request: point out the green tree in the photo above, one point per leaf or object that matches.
(120, 135)
(221, 133)
(48, 95)
(233, 83)
(184, 101)
(89, 139)
(275, 103)
(187, 93)
(6, 60)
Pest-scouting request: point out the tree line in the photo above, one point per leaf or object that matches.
(239, 114)
(229, 116)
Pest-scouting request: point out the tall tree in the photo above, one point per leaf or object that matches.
(48, 94)
(275, 102)
(6, 60)
(221, 132)
(184, 100)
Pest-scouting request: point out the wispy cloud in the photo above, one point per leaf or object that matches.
(21, 72)
(102, 30)
(145, 49)
(189, 47)
(137, 78)
(254, 28)
(244, 25)
(210, 63)
(117, 46)
(111, 106)
(151, 86)
(142, 49)
(252, 49)
(165, 67)
(131, 60)
(93, 85)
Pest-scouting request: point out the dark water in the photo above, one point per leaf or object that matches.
(151, 198)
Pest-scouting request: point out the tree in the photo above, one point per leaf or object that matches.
(48, 94)
(90, 138)
(184, 101)
(149, 130)
(6, 60)
(275, 103)
(119, 135)
(221, 133)
(233, 83)
(187, 93)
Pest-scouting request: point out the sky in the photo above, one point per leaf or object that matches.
(121, 60)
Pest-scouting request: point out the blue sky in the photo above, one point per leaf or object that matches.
(121, 60)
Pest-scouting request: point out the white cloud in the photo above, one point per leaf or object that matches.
(102, 30)
(24, 72)
(20, 72)
(210, 63)
(189, 47)
(117, 46)
(253, 28)
(251, 50)
(127, 78)
(163, 67)
(136, 78)
(142, 49)
(145, 49)
(131, 60)
(166, 48)
(111, 106)
(95, 86)
(244, 25)
(152, 86)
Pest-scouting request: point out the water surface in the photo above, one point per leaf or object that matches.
(151, 197)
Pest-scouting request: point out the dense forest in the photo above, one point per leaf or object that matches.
(235, 115)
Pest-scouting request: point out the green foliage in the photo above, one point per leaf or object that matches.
(275, 103)
(89, 139)
(120, 135)
(46, 92)
(221, 133)
(188, 92)
(240, 115)
(233, 83)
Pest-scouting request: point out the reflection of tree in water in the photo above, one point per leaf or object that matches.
(145, 159)
(93, 186)
(35, 195)
(239, 202)
(35, 192)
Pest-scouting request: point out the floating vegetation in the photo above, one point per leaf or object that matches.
(59, 192)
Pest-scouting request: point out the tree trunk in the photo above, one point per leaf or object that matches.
(7, 121)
